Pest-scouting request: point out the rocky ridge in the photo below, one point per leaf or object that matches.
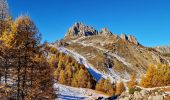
(79, 29)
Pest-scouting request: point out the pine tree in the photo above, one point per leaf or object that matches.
(27, 61)
(6, 37)
(149, 79)
(132, 81)
(62, 77)
(105, 86)
(82, 78)
(69, 74)
(74, 81)
(120, 88)
(99, 85)
(156, 75)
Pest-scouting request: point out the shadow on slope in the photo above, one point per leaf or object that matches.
(67, 97)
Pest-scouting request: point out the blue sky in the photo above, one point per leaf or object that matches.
(148, 20)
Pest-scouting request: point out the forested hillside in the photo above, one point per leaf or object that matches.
(69, 72)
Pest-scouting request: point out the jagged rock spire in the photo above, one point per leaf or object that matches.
(105, 32)
(4, 9)
(129, 38)
(79, 29)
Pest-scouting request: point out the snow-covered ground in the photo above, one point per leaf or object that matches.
(72, 93)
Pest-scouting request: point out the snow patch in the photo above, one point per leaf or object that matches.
(72, 93)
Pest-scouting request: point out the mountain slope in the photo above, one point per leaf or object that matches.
(163, 49)
(116, 57)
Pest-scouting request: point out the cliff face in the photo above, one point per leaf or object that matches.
(79, 29)
(129, 38)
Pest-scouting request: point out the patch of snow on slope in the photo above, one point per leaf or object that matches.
(121, 59)
(94, 72)
(72, 93)
(117, 75)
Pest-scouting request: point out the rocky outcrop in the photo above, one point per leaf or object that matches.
(79, 29)
(105, 32)
(129, 38)
(133, 39)
(124, 36)
(148, 95)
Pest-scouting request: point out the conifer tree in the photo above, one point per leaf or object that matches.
(156, 75)
(99, 85)
(132, 81)
(62, 77)
(120, 88)
(28, 70)
(105, 86)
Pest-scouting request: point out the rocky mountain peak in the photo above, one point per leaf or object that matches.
(129, 38)
(79, 29)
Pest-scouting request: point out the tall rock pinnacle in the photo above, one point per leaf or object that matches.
(129, 38)
(79, 29)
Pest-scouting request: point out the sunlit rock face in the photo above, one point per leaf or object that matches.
(105, 32)
(129, 38)
(79, 29)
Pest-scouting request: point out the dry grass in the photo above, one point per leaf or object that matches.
(138, 56)
(166, 89)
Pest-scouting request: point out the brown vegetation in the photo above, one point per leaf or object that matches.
(156, 76)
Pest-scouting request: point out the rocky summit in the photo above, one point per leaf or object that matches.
(79, 29)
